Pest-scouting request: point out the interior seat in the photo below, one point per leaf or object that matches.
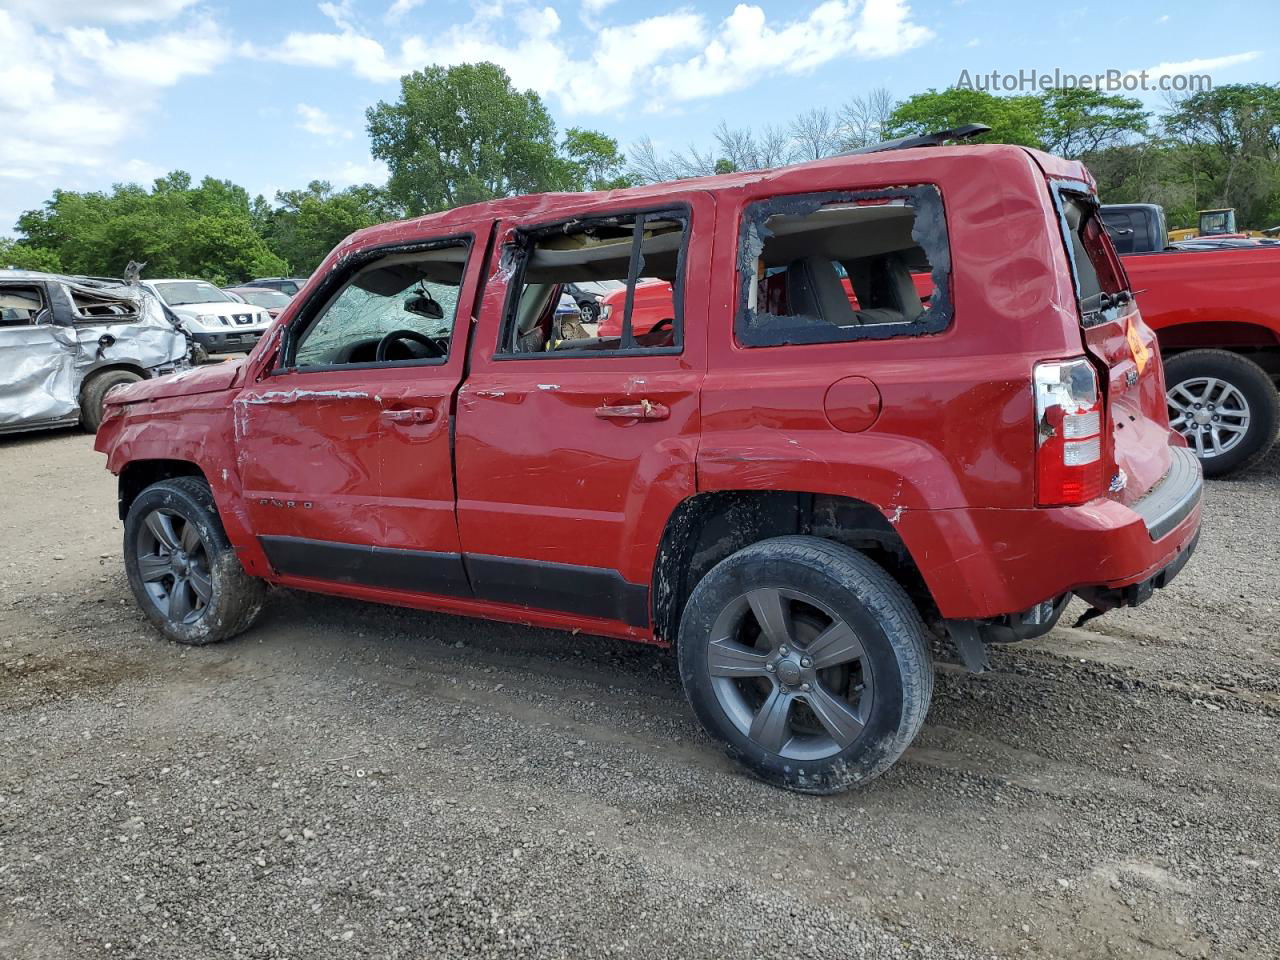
(814, 290)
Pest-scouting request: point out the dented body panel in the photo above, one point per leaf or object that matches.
(80, 328)
(507, 487)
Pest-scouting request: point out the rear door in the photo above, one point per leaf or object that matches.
(571, 455)
(345, 447)
(37, 359)
(1123, 346)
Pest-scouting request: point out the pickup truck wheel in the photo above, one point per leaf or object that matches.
(181, 567)
(94, 393)
(1225, 405)
(808, 661)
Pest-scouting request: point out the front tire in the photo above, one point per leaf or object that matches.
(95, 393)
(1225, 406)
(808, 661)
(183, 571)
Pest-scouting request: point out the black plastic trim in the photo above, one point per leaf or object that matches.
(1167, 503)
(590, 591)
(370, 566)
(563, 587)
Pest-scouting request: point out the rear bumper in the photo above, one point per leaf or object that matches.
(986, 563)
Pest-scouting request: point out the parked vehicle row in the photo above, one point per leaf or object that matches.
(1214, 304)
(66, 341)
(790, 477)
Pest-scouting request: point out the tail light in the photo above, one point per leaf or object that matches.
(1069, 467)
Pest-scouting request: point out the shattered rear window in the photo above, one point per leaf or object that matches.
(91, 307)
(824, 268)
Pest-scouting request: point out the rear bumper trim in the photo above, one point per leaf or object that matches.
(1169, 502)
(1111, 598)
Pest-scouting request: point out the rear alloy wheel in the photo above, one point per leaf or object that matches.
(808, 660)
(183, 571)
(1225, 406)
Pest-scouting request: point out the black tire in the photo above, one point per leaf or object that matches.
(234, 599)
(1252, 385)
(889, 633)
(94, 393)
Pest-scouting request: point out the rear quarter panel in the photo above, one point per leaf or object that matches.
(956, 424)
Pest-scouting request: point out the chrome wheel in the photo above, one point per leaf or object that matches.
(1211, 413)
(173, 565)
(790, 674)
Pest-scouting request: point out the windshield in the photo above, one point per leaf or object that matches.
(261, 297)
(176, 293)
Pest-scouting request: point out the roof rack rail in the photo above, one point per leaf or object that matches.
(936, 139)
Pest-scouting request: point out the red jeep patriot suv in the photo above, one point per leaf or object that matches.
(791, 478)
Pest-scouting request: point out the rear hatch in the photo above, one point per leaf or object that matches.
(1123, 349)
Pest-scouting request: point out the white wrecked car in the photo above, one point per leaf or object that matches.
(66, 341)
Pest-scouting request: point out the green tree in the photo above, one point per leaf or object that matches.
(462, 134)
(1229, 140)
(176, 228)
(1078, 122)
(1011, 119)
(308, 223)
(23, 256)
(592, 161)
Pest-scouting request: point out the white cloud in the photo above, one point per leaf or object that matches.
(591, 6)
(314, 120)
(1203, 65)
(401, 7)
(747, 47)
(1163, 19)
(673, 56)
(78, 93)
(371, 171)
(96, 11)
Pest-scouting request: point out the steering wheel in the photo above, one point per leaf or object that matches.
(380, 355)
(666, 323)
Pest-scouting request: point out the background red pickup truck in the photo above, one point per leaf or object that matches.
(1216, 312)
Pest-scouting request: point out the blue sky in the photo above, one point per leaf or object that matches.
(272, 94)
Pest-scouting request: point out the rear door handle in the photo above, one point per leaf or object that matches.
(644, 410)
(413, 415)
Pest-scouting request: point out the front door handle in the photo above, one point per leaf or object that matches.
(644, 410)
(413, 415)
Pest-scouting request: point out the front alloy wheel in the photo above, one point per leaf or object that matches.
(173, 565)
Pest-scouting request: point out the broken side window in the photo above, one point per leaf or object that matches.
(611, 284)
(20, 306)
(824, 268)
(92, 307)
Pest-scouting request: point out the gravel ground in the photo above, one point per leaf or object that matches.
(348, 780)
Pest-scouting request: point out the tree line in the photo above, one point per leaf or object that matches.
(464, 134)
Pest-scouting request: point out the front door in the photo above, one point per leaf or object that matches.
(573, 448)
(344, 447)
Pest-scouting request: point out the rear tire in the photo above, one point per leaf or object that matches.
(183, 571)
(94, 394)
(1205, 384)
(808, 661)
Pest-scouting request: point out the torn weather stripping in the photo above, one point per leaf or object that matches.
(825, 268)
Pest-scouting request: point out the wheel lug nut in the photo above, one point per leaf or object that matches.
(806, 662)
(769, 667)
(783, 651)
(804, 687)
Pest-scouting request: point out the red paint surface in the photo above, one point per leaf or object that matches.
(537, 474)
(1210, 298)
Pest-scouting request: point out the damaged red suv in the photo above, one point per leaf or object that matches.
(810, 466)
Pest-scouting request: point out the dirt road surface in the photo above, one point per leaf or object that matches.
(350, 781)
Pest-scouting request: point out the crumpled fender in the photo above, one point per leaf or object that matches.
(198, 380)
